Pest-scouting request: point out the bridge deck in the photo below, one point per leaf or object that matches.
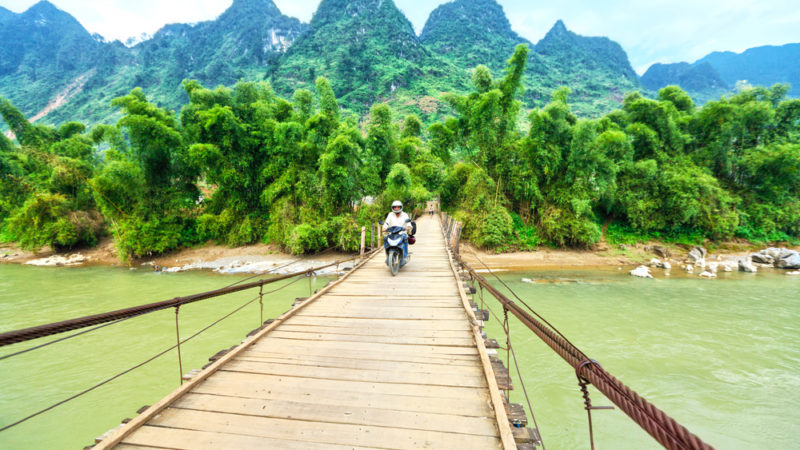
(373, 361)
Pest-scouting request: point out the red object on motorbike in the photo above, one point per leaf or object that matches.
(411, 240)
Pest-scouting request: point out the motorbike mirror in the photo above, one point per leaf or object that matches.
(380, 223)
(408, 220)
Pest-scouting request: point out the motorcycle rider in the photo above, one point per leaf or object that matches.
(398, 218)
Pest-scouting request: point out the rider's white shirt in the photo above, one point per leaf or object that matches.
(392, 220)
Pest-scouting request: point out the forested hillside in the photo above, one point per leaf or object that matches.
(293, 170)
(367, 48)
(369, 51)
(58, 58)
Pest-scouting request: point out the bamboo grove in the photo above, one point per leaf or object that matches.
(242, 165)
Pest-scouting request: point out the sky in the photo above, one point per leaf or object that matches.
(650, 31)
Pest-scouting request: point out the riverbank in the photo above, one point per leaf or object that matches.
(260, 258)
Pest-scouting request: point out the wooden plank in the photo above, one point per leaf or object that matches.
(399, 314)
(333, 373)
(141, 419)
(418, 302)
(348, 363)
(411, 340)
(448, 312)
(160, 437)
(293, 384)
(235, 384)
(316, 432)
(369, 347)
(313, 351)
(376, 331)
(312, 412)
(383, 323)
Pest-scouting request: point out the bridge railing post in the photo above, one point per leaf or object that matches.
(363, 239)
(372, 236)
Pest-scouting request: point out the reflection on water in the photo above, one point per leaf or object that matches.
(720, 356)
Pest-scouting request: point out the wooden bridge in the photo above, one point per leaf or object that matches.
(370, 361)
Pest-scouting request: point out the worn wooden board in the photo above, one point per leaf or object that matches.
(351, 363)
(418, 391)
(235, 384)
(345, 414)
(373, 331)
(175, 438)
(368, 347)
(459, 324)
(291, 352)
(319, 432)
(377, 376)
(397, 339)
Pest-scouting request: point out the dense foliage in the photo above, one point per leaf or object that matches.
(243, 164)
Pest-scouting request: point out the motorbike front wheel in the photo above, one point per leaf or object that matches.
(394, 261)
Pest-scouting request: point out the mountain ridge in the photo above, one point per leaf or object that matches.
(367, 48)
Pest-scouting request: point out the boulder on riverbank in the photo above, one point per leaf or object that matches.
(746, 266)
(655, 262)
(697, 256)
(781, 258)
(790, 261)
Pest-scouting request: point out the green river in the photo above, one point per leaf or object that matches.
(720, 356)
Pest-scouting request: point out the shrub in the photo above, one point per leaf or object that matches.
(307, 238)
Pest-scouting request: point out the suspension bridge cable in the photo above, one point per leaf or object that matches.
(110, 379)
(46, 344)
(524, 303)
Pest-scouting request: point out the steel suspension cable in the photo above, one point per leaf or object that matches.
(55, 341)
(658, 424)
(522, 301)
(110, 379)
(27, 334)
(65, 338)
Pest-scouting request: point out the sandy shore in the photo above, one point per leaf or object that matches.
(262, 258)
(257, 258)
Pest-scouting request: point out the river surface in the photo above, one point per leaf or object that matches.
(721, 356)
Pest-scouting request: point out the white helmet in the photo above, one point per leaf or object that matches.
(395, 204)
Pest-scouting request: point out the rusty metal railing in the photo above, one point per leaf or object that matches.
(663, 428)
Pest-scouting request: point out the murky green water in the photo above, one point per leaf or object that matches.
(720, 356)
(32, 381)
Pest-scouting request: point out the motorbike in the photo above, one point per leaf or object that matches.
(393, 243)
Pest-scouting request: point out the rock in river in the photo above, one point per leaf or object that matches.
(642, 272)
(746, 266)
